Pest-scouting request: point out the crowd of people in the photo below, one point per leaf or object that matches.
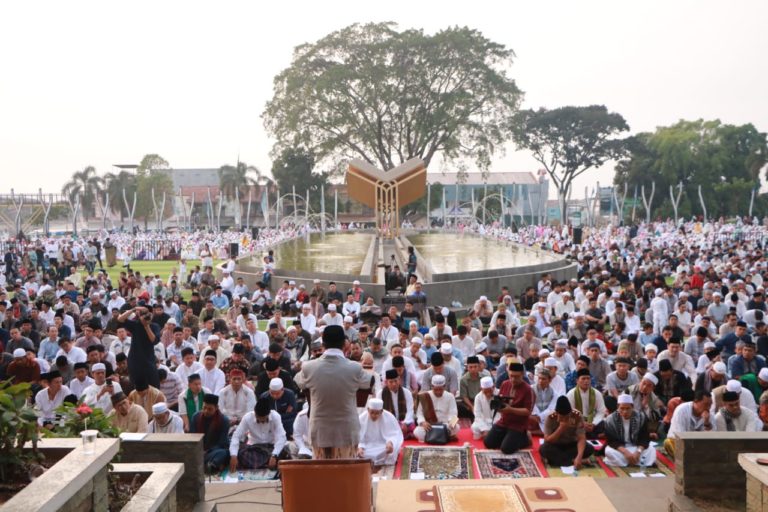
(661, 331)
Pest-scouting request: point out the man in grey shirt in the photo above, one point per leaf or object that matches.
(439, 368)
(618, 381)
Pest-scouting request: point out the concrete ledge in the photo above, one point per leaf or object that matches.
(680, 503)
(157, 490)
(65, 479)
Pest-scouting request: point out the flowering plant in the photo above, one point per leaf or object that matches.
(74, 418)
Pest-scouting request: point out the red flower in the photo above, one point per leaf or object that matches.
(84, 410)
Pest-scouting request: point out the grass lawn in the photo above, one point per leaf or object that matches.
(163, 268)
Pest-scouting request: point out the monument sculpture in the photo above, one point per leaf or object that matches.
(387, 191)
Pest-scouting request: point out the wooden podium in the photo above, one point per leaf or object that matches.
(342, 485)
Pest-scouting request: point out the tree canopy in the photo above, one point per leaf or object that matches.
(85, 184)
(568, 141)
(371, 92)
(724, 159)
(238, 177)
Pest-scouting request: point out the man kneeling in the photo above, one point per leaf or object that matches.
(266, 439)
(628, 439)
(380, 434)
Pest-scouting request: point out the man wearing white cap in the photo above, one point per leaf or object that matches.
(380, 434)
(164, 420)
(626, 431)
(756, 384)
(659, 310)
(746, 398)
(283, 401)
(332, 317)
(483, 309)
(99, 394)
(23, 368)
(563, 358)
(733, 417)
(713, 377)
(544, 399)
(436, 406)
(483, 413)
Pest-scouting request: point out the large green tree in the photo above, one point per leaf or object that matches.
(145, 183)
(117, 182)
(372, 92)
(294, 168)
(569, 141)
(85, 185)
(149, 162)
(724, 159)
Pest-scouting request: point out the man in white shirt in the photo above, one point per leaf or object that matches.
(307, 319)
(398, 401)
(80, 383)
(236, 400)
(121, 345)
(464, 343)
(436, 406)
(690, 417)
(189, 365)
(681, 361)
(164, 420)
(302, 445)
(263, 430)
(733, 417)
(386, 332)
(351, 307)
(259, 339)
(49, 398)
(380, 435)
(632, 321)
(99, 394)
(483, 413)
(115, 301)
(332, 317)
(211, 377)
(74, 354)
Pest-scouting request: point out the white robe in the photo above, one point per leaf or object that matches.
(301, 434)
(483, 415)
(374, 436)
(175, 425)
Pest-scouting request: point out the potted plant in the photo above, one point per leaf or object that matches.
(18, 425)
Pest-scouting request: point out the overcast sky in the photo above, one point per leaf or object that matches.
(99, 83)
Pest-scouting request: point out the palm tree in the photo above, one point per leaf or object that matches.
(240, 177)
(85, 184)
(116, 183)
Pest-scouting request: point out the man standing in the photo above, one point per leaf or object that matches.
(380, 435)
(144, 336)
(332, 382)
(628, 438)
(510, 433)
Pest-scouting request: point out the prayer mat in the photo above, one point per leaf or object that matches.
(248, 475)
(494, 464)
(465, 423)
(466, 498)
(594, 471)
(436, 463)
(657, 469)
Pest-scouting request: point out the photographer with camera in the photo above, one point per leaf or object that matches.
(144, 336)
(514, 404)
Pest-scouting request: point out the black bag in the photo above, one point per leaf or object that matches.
(439, 434)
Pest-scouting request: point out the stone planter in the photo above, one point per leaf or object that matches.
(158, 492)
(77, 482)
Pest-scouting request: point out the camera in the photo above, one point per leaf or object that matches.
(498, 403)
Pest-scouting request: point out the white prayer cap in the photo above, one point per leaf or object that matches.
(416, 340)
(483, 297)
(486, 382)
(566, 294)
(376, 404)
(550, 361)
(658, 291)
(276, 384)
(19, 352)
(763, 375)
(331, 307)
(85, 310)
(438, 381)
(651, 346)
(717, 294)
(446, 348)
(316, 281)
(413, 322)
(113, 292)
(445, 312)
(481, 346)
(159, 408)
(578, 315)
(719, 367)
(213, 337)
(733, 385)
(651, 377)
(625, 399)
(171, 321)
(544, 353)
(355, 282)
(541, 304)
(348, 319)
(709, 344)
(290, 329)
(98, 367)
(306, 306)
(561, 343)
(292, 282)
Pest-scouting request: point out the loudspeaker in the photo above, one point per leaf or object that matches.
(234, 248)
(254, 232)
(577, 236)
